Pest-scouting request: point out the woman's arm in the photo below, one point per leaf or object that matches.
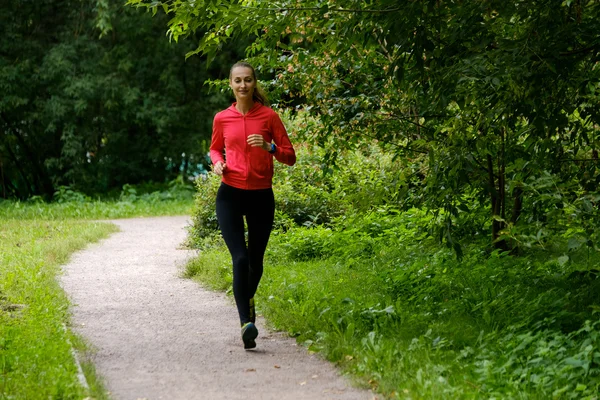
(217, 146)
(284, 151)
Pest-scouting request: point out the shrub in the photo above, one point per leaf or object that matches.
(204, 217)
(314, 191)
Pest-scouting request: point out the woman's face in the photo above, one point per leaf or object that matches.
(243, 83)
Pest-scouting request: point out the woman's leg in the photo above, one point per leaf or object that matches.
(231, 222)
(260, 217)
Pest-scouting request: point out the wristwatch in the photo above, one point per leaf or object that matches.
(273, 148)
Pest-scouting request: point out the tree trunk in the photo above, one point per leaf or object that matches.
(493, 196)
(517, 204)
(17, 164)
(497, 201)
(39, 173)
(502, 176)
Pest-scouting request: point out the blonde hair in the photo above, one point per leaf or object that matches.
(259, 94)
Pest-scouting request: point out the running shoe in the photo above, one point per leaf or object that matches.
(249, 333)
(252, 311)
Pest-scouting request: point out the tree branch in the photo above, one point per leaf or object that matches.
(480, 164)
(409, 119)
(579, 51)
(396, 144)
(578, 160)
(346, 10)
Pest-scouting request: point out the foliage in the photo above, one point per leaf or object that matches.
(311, 192)
(34, 309)
(483, 97)
(94, 113)
(378, 295)
(204, 218)
(133, 201)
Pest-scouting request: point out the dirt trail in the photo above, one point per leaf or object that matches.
(158, 336)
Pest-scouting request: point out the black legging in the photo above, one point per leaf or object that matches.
(259, 208)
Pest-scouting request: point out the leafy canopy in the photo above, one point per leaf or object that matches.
(488, 98)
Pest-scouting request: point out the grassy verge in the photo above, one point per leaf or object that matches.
(407, 318)
(142, 200)
(35, 354)
(35, 239)
(94, 209)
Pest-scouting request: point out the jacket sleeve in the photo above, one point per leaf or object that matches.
(217, 144)
(284, 152)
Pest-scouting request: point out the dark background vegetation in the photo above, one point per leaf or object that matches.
(94, 96)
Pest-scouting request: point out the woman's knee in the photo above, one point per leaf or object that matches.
(240, 262)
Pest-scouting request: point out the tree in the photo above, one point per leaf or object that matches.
(487, 98)
(94, 96)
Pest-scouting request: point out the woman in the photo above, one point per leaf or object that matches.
(246, 137)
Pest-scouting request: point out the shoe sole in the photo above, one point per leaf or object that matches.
(248, 336)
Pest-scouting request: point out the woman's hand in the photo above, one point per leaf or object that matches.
(219, 167)
(257, 140)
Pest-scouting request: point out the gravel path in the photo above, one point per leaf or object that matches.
(158, 336)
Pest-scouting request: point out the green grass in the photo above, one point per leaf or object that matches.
(94, 209)
(405, 317)
(144, 200)
(35, 354)
(35, 239)
(217, 276)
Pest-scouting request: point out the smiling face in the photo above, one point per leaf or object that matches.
(243, 83)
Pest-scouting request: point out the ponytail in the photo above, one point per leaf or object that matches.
(259, 94)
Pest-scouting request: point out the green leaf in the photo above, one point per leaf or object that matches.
(574, 243)
(562, 260)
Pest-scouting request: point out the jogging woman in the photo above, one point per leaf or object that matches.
(245, 139)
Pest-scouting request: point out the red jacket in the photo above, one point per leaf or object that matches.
(249, 167)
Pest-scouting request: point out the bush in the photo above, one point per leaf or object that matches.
(314, 191)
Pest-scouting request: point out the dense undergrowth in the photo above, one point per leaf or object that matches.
(355, 269)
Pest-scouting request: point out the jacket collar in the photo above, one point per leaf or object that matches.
(255, 107)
